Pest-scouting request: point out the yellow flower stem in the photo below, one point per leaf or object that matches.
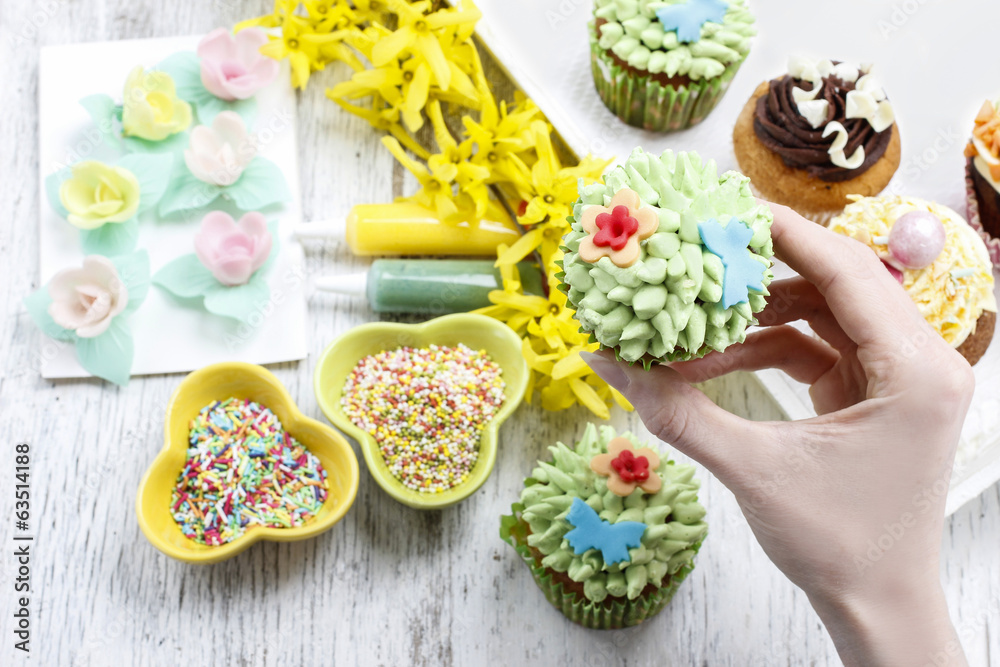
(535, 253)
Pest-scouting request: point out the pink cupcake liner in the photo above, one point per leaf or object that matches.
(972, 208)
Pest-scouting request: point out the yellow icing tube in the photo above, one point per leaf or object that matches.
(404, 228)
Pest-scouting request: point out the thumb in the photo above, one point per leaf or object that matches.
(686, 418)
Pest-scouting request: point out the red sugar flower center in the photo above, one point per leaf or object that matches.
(631, 468)
(615, 228)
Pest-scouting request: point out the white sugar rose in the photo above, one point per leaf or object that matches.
(86, 299)
(219, 154)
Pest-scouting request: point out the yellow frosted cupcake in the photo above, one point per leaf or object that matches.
(940, 260)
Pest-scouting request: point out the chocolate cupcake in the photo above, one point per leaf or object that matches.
(812, 137)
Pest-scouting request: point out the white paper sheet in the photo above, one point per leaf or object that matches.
(169, 336)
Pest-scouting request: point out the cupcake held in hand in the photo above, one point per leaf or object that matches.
(982, 178)
(664, 66)
(666, 260)
(938, 259)
(814, 136)
(609, 528)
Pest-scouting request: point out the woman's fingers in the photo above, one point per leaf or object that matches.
(684, 417)
(803, 357)
(869, 305)
(798, 299)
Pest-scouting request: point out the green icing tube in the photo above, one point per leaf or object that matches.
(429, 286)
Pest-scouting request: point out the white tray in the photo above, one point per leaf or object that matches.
(543, 44)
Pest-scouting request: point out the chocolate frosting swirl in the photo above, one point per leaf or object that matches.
(779, 126)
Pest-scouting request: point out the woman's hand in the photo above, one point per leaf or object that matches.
(850, 504)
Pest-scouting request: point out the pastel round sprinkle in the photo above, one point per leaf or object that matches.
(426, 409)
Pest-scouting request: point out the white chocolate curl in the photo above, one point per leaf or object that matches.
(836, 151)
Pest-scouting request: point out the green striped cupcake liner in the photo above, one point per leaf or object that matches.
(643, 102)
(620, 613)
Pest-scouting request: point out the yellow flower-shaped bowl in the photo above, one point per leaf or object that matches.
(244, 381)
(477, 332)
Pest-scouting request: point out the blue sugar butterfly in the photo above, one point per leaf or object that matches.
(687, 18)
(592, 532)
(742, 271)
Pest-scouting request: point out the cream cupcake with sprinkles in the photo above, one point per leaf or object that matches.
(664, 66)
(939, 260)
(609, 528)
(666, 260)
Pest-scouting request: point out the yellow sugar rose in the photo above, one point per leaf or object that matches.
(99, 193)
(151, 108)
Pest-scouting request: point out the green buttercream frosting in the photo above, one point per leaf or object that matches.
(673, 516)
(667, 304)
(633, 33)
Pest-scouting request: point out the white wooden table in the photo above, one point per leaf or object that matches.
(388, 585)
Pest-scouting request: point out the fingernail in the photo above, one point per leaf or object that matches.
(609, 371)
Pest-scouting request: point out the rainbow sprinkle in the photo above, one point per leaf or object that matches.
(426, 408)
(244, 470)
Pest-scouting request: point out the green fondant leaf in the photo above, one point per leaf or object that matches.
(240, 301)
(104, 113)
(37, 304)
(185, 69)
(133, 269)
(111, 238)
(108, 356)
(272, 227)
(211, 106)
(260, 185)
(186, 277)
(175, 143)
(186, 193)
(153, 171)
(52, 184)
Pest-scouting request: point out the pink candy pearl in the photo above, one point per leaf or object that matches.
(916, 239)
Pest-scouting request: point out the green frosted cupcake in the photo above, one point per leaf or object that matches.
(664, 66)
(666, 260)
(609, 529)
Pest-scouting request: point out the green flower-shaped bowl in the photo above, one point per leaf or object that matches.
(477, 332)
(255, 383)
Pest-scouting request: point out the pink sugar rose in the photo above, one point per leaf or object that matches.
(232, 250)
(232, 67)
(86, 299)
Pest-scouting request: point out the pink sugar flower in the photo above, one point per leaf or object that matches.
(232, 67)
(232, 250)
